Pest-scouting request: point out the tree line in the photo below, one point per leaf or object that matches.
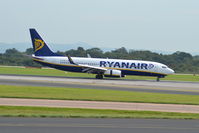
(181, 62)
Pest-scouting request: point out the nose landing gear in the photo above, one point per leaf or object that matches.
(158, 79)
(99, 76)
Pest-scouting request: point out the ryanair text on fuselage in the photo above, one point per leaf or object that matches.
(127, 65)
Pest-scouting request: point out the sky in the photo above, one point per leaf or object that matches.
(167, 25)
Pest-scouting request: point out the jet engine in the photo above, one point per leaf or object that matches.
(112, 73)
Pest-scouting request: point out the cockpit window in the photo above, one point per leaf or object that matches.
(164, 67)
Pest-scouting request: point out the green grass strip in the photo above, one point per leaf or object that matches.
(20, 111)
(94, 95)
(44, 72)
(54, 72)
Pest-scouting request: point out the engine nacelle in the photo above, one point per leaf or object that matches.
(113, 73)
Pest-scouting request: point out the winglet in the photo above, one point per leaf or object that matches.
(88, 55)
(70, 60)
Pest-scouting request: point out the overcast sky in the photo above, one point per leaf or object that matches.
(169, 25)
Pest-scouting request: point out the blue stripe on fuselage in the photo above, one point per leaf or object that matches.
(131, 72)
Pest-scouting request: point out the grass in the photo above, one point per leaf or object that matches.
(94, 95)
(38, 71)
(54, 72)
(20, 111)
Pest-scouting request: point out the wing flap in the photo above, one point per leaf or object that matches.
(92, 69)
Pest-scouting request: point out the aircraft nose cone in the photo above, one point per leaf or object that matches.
(171, 71)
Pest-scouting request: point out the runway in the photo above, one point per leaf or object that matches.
(76, 125)
(170, 87)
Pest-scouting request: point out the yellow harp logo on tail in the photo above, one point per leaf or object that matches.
(38, 44)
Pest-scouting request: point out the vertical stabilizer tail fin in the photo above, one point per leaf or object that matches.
(39, 46)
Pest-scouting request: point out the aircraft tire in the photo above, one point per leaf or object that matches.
(99, 76)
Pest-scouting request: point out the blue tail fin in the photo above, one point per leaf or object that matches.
(39, 46)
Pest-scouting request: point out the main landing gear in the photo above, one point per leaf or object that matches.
(99, 76)
(158, 79)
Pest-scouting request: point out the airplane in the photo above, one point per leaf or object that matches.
(100, 66)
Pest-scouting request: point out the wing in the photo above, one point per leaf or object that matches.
(92, 69)
(88, 68)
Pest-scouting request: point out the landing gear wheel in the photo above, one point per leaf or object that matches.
(99, 76)
(158, 79)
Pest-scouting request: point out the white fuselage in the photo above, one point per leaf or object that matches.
(127, 67)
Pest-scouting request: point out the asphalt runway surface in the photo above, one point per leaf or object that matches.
(169, 87)
(76, 125)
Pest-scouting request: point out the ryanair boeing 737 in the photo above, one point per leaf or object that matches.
(99, 66)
